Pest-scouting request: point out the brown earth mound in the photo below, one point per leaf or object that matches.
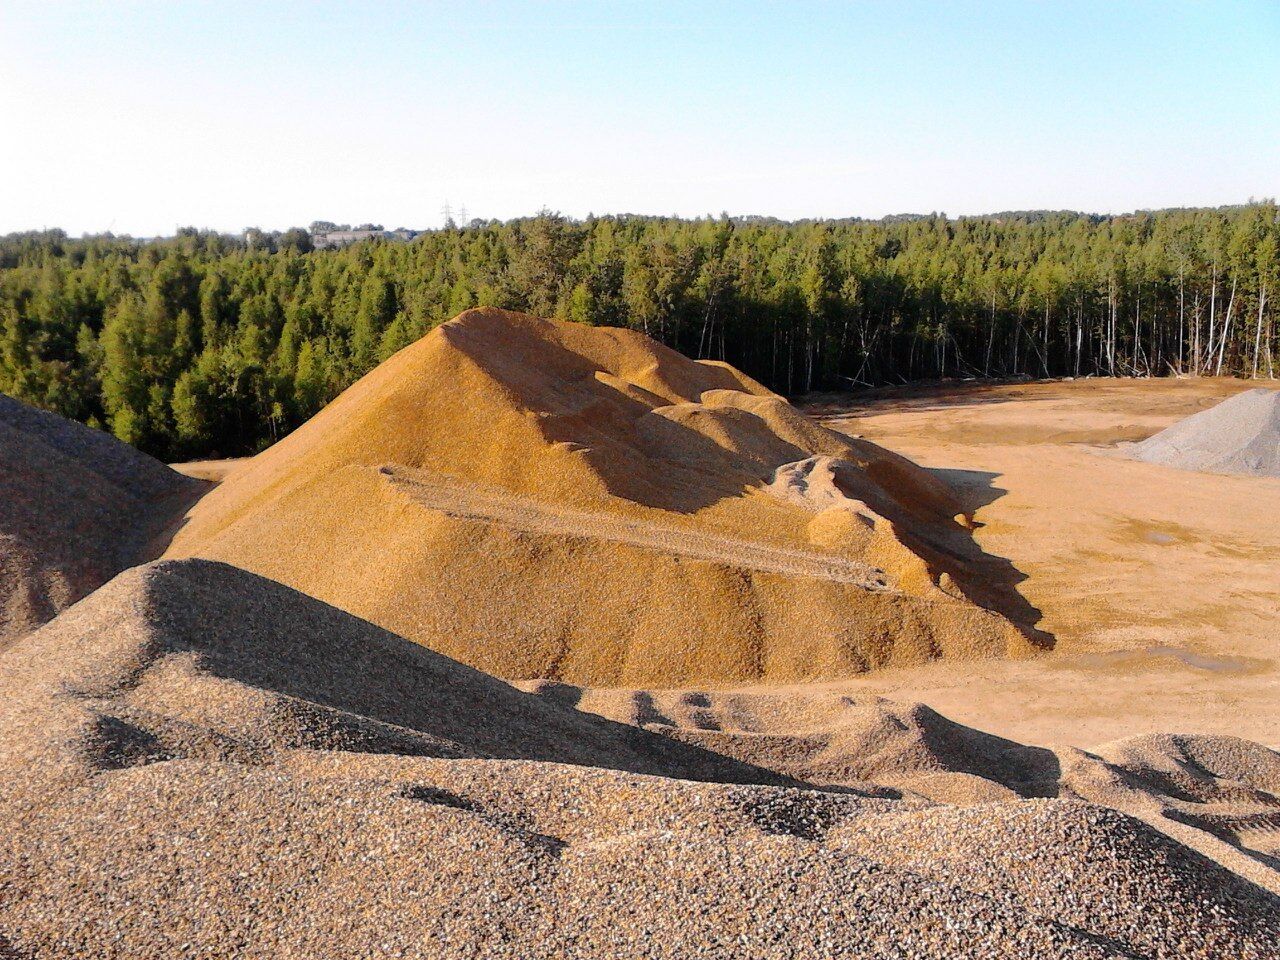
(195, 761)
(544, 499)
(77, 506)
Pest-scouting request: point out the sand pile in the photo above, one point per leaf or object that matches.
(544, 499)
(195, 761)
(76, 507)
(199, 660)
(1238, 435)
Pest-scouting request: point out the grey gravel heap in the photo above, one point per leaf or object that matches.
(1240, 435)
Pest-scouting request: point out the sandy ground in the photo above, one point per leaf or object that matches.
(1160, 587)
(199, 762)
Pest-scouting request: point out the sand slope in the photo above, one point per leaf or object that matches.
(543, 499)
(1238, 435)
(198, 761)
(76, 507)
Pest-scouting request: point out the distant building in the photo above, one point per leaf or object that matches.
(344, 238)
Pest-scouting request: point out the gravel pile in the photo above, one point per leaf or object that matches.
(199, 762)
(1239, 435)
(831, 739)
(1218, 795)
(76, 507)
(548, 500)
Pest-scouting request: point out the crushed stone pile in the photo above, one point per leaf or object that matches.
(196, 761)
(1218, 795)
(1239, 435)
(77, 506)
(543, 499)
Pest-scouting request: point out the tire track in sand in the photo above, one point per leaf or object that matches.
(493, 505)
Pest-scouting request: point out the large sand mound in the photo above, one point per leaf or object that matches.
(76, 507)
(195, 761)
(1238, 435)
(544, 499)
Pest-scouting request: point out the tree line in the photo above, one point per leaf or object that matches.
(205, 344)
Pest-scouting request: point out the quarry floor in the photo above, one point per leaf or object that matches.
(1160, 588)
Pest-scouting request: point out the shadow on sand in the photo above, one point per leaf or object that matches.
(997, 580)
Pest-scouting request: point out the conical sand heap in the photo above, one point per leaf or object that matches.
(548, 500)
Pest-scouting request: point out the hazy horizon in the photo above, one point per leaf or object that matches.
(140, 117)
(766, 217)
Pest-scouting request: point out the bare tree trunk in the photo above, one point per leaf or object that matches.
(1213, 310)
(1257, 337)
(1111, 330)
(1079, 336)
(1137, 330)
(991, 339)
(1195, 346)
(1182, 304)
(1271, 370)
(1226, 329)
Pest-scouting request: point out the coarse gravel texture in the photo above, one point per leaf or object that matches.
(77, 506)
(199, 762)
(543, 499)
(1219, 795)
(1239, 435)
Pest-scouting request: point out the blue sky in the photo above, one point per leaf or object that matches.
(140, 116)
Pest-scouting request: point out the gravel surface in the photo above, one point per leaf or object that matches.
(199, 762)
(1238, 435)
(77, 506)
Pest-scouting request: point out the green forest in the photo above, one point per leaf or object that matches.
(206, 344)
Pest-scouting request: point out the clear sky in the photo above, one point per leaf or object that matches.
(141, 116)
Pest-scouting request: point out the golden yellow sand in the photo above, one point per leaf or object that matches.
(544, 499)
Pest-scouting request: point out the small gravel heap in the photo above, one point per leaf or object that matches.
(77, 506)
(198, 762)
(1239, 435)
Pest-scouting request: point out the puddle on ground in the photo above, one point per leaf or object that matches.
(1189, 658)
(1164, 534)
